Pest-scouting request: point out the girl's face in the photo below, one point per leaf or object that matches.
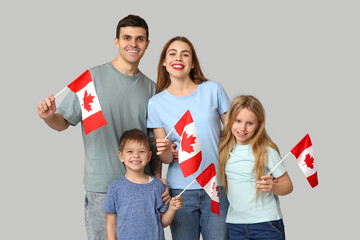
(178, 60)
(244, 126)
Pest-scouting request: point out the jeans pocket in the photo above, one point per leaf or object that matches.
(277, 225)
(86, 201)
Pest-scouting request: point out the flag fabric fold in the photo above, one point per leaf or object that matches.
(207, 179)
(190, 151)
(303, 151)
(92, 115)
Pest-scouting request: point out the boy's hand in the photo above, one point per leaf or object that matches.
(176, 203)
(266, 183)
(47, 107)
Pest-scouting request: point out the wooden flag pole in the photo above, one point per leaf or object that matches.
(186, 187)
(278, 163)
(168, 134)
(60, 91)
(276, 166)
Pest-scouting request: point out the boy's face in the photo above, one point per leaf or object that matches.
(132, 44)
(135, 156)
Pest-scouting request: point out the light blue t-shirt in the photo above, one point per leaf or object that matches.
(138, 209)
(206, 104)
(243, 206)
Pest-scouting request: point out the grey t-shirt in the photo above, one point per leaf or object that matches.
(123, 100)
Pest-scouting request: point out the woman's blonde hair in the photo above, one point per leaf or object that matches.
(259, 142)
(163, 78)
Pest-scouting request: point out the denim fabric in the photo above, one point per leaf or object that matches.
(95, 217)
(195, 217)
(273, 230)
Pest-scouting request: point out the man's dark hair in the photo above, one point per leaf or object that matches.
(132, 21)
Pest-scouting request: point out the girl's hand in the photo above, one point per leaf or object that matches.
(266, 183)
(162, 145)
(176, 203)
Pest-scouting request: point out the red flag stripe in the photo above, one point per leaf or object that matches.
(313, 180)
(94, 122)
(215, 207)
(80, 82)
(301, 146)
(191, 165)
(206, 175)
(184, 120)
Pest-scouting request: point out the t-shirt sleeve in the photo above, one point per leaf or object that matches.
(273, 159)
(223, 100)
(70, 109)
(153, 120)
(164, 207)
(109, 204)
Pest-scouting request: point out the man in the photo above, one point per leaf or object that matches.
(123, 92)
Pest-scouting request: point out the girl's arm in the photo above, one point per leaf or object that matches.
(278, 186)
(168, 216)
(111, 226)
(163, 146)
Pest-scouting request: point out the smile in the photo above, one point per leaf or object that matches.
(178, 66)
(132, 51)
(241, 133)
(135, 162)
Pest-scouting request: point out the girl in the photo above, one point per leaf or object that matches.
(246, 155)
(181, 86)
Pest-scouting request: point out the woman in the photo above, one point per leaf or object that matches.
(181, 86)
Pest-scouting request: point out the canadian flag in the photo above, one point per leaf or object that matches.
(190, 150)
(207, 179)
(303, 151)
(92, 115)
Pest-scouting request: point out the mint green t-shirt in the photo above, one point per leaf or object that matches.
(243, 206)
(123, 100)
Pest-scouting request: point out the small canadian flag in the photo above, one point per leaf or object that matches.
(303, 151)
(92, 115)
(190, 150)
(207, 179)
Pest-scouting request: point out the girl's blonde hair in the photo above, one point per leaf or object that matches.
(259, 142)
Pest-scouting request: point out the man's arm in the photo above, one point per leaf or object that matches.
(46, 110)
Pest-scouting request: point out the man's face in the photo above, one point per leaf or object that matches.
(132, 44)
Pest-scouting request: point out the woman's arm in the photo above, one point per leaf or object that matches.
(163, 146)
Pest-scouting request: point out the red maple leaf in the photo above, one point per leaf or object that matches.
(87, 100)
(309, 161)
(186, 143)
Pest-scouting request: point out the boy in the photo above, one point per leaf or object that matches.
(133, 204)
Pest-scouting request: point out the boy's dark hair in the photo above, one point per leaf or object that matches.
(139, 136)
(132, 21)
(134, 135)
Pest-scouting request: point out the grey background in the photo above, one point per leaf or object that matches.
(300, 58)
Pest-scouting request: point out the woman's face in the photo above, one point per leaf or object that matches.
(178, 60)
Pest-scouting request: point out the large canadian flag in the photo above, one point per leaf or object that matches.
(303, 151)
(190, 150)
(207, 179)
(92, 115)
